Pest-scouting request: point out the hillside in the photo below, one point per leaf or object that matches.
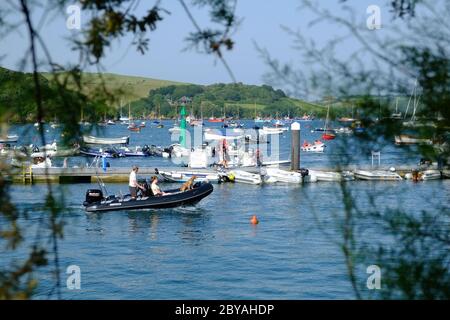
(234, 99)
(147, 97)
(126, 88)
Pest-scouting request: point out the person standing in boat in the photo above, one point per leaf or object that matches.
(133, 184)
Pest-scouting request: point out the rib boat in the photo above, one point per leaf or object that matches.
(377, 175)
(96, 202)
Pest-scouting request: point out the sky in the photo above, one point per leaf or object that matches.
(167, 58)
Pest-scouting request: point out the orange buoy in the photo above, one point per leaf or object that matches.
(254, 220)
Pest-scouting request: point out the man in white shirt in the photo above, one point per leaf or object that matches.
(133, 184)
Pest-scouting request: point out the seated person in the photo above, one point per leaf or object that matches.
(155, 188)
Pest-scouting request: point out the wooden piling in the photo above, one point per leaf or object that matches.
(295, 146)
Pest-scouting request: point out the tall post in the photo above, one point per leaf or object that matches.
(295, 146)
(183, 126)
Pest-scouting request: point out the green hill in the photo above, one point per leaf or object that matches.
(125, 88)
(234, 99)
(148, 97)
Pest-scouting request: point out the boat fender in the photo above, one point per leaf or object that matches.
(231, 177)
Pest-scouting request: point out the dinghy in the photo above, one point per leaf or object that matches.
(407, 139)
(331, 176)
(425, 175)
(9, 138)
(183, 176)
(96, 202)
(107, 141)
(279, 175)
(269, 130)
(377, 175)
(244, 177)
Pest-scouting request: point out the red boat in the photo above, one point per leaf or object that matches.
(134, 127)
(328, 136)
(215, 120)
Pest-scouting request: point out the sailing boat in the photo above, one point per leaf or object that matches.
(257, 119)
(156, 121)
(132, 126)
(214, 119)
(329, 133)
(396, 115)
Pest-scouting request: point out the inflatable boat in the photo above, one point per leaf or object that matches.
(96, 202)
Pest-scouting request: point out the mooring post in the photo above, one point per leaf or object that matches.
(295, 146)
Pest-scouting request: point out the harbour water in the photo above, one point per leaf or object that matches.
(211, 251)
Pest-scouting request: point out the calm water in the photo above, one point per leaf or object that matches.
(212, 251)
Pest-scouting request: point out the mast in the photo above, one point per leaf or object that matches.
(410, 97)
(326, 120)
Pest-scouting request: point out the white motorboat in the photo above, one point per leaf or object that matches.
(244, 177)
(270, 130)
(210, 136)
(407, 139)
(40, 162)
(107, 141)
(318, 146)
(431, 175)
(331, 176)
(178, 151)
(175, 129)
(377, 175)
(9, 138)
(279, 175)
(183, 176)
(343, 130)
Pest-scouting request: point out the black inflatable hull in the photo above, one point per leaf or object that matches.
(176, 199)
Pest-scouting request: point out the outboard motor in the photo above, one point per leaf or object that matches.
(145, 149)
(304, 172)
(92, 196)
(144, 183)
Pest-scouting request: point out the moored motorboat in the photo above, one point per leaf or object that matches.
(317, 146)
(96, 202)
(107, 152)
(107, 141)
